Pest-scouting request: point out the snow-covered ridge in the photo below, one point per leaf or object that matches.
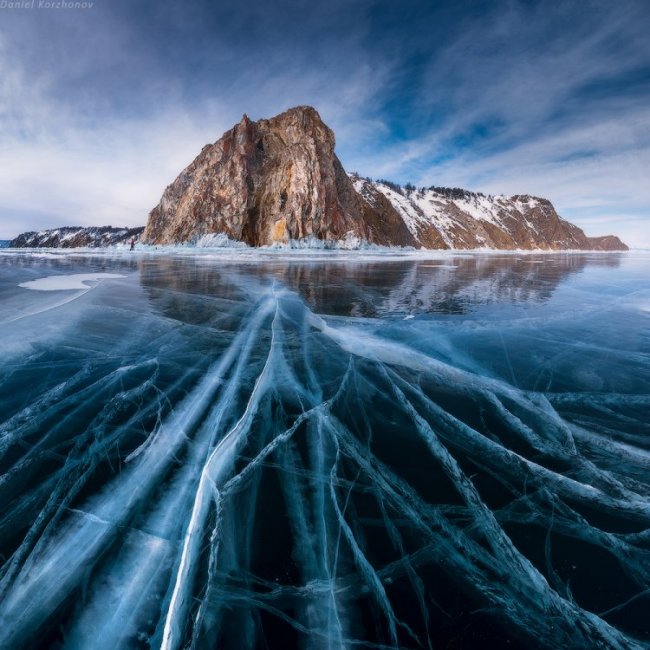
(76, 237)
(439, 217)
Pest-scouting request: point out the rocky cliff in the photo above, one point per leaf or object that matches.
(277, 181)
(272, 181)
(76, 237)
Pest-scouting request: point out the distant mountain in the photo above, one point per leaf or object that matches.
(278, 180)
(4, 243)
(77, 237)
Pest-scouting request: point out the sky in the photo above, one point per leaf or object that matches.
(101, 107)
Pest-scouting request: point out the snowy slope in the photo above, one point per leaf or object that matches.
(76, 237)
(459, 219)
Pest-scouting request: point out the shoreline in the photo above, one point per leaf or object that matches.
(250, 254)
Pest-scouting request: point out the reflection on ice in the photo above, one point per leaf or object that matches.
(234, 458)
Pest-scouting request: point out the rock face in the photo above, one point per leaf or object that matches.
(76, 237)
(269, 182)
(276, 181)
(607, 243)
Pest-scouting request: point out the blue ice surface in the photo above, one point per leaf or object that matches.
(325, 450)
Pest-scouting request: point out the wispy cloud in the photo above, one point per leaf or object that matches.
(526, 105)
(76, 158)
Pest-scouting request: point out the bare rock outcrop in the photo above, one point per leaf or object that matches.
(267, 182)
(606, 243)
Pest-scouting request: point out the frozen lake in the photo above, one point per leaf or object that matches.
(307, 450)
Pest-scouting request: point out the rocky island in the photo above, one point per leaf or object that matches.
(278, 181)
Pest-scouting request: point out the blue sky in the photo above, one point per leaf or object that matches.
(100, 108)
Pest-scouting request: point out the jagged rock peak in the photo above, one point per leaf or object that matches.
(270, 181)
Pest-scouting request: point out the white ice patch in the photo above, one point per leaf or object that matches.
(438, 266)
(348, 243)
(76, 281)
(219, 240)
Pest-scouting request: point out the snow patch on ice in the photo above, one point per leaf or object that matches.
(76, 281)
